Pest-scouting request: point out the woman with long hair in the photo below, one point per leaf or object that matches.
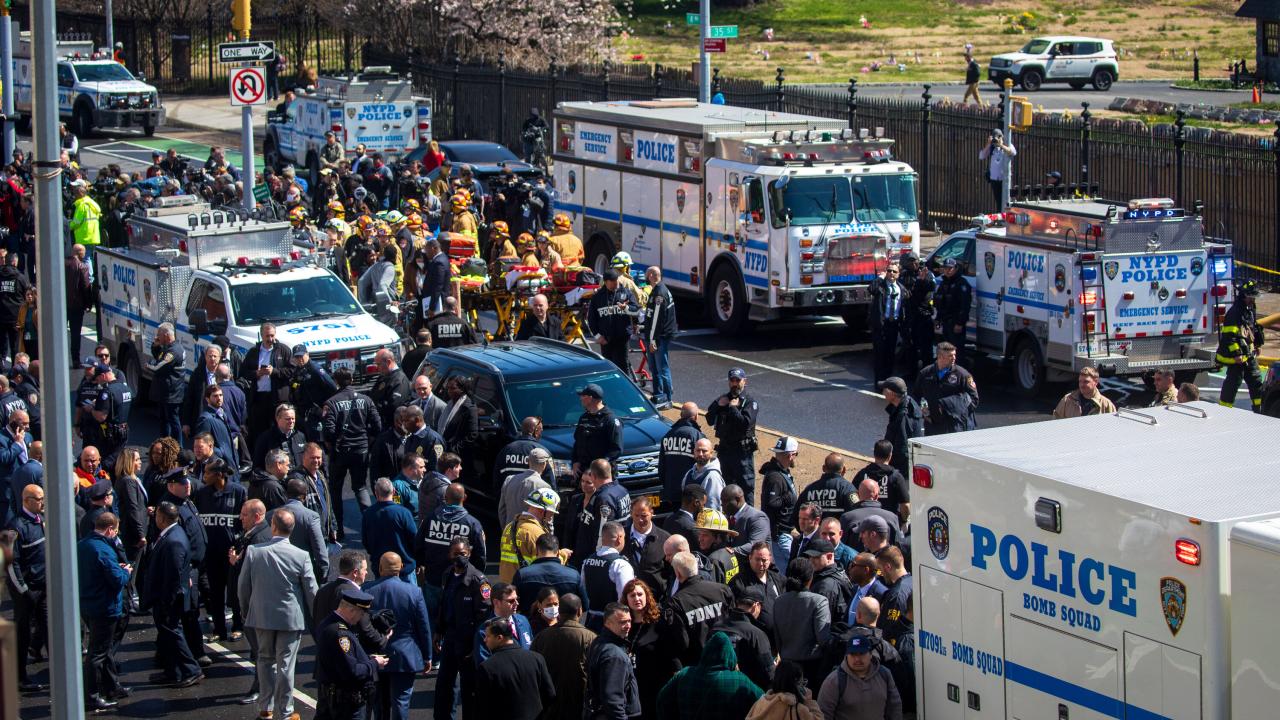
(162, 457)
(654, 665)
(788, 697)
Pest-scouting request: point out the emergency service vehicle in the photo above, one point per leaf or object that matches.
(215, 272)
(1126, 288)
(1086, 568)
(375, 108)
(94, 91)
(758, 214)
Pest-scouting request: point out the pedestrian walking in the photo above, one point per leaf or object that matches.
(972, 76)
(733, 415)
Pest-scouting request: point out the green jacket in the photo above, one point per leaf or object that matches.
(711, 690)
(84, 223)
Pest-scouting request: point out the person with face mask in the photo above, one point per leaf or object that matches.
(466, 603)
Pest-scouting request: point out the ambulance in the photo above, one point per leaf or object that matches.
(215, 272)
(757, 214)
(1098, 567)
(1124, 287)
(375, 108)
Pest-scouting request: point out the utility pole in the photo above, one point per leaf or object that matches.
(704, 57)
(6, 80)
(111, 27)
(66, 690)
(1007, 130)
(241, 20)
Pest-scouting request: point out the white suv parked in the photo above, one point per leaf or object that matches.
(1076, 61)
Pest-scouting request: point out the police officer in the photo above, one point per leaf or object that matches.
(598, 434)
(178, 484)
(310, 385)
(421, 440)
(953, 300)
(433, 547)
(948, 394)
(448, 329)
(609, 502)
(918, 312)
(1238, 343)
(99, 431)
(465, 605)
(833, 495)
(26, 581)
(218, 502)
(675, 455)
(167, 385)
(609, 316)
(351, 420)
(513, 459)
(733, 415)
(345, 674)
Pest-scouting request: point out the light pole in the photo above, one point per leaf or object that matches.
(704, 57)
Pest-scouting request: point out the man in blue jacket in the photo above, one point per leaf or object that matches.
(102, 582)
(388, 526)
(166, 592)
(409, 651)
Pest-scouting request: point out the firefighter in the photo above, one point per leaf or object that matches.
(500, 245)
(953, 300)
(463, 221)
(622, 263)
(733, 415)
(1238, 343)
(564, 242)
(528, 251)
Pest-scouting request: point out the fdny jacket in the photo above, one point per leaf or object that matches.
(351, 420)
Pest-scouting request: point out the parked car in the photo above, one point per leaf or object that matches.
(1077, 61)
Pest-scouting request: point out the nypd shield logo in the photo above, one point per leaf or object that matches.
(939, 528)
(1173, 599)
(1197, 266)
(351, 113)
(573, 181)
(1060, 277)
(989, 264)
(408, 112)
(1111, 267)
(680, 199)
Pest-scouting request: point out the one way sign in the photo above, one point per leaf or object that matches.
(259, 51)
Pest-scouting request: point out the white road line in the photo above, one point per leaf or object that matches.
(770, 368)
(302, 697)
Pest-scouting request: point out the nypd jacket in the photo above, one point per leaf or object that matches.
(220, 515)
(675, 457)
(610, 312)
(438, 529)
(832, 493)
(598, 435)
(952, 396)
(513, 459)
(350, 420)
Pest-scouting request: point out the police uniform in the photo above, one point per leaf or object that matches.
(437, 531)
(953, 300)
(1238, 341)
(609, 315)
(345, 673)
(465, 605)
(831, 493)
(425, 442)
(351, 419)
(309, 387)
(736, 435)
(610, 503)
(513, 459)
(598, 435)
(952, 396)
(675, 457)
(448, 330)
(220, 515)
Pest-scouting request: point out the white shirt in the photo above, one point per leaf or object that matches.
(1001, 160)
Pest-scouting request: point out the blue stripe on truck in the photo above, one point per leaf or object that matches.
(1075, 694)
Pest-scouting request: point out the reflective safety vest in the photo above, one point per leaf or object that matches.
(517, 548)
(1235, 338)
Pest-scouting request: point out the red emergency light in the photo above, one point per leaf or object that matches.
(1128, 295)
(1090, 322)
(922, 475)
(1218, 290)
(1187, 551)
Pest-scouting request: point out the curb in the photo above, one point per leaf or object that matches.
(1216, 90)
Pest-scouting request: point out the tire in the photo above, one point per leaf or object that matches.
(1031, 80)
(1077, 85)
(148, 130)
(1028, 368)
(728, 301)
(1102, 80)
(270, 154)
(82, 121)
(599, 254)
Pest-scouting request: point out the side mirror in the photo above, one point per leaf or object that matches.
(199, 321)
(217, 327)
(274, 117)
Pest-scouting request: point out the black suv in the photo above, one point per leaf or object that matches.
(514, 380)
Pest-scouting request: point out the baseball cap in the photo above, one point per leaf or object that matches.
(818, 547)
(786, 445)
(874, 522)
(592, 390)
(300, 349)
(859, 645)
(101, 405)
(895, 384)
(357, 597)
(78, 183)
(949, 262)
(100, 489)
(737, 374)
(751, 593)
(539, 454)
(611, 274)
(101, 368)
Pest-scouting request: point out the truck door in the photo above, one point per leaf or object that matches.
(601, 216)
(753, 228)
(1061, 321)
(1027, 279)
(66, 87)
(962, 659)
(1060, 64)
(1053, 674)
(1157, 294)
(642, 220)
(988, 287)
(569, 192)
(1160, 680)
(681, 236)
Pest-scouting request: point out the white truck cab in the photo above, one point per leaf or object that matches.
(211, 273)
(759, 214)
(94, 91)
(1083, 569)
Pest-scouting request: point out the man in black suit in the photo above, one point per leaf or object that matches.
(681, 522)
(752, 525)
(203, 376)
(643, 548)
(353, 569)
(167, 592)
(266, 368)
(213, 421)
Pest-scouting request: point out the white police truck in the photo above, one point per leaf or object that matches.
(1087, 568)
(1126, 288)
(758, 214)
(375, 108)
(216, 272)
(94, 91)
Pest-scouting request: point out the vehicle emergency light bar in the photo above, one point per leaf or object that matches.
(265, 264)
(1041, 193)
(809, 146)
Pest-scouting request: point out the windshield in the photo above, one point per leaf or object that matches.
(321, 296)
(556, 401)
(1035, 47)
(102, 72)
(878, 198)
(483, 153)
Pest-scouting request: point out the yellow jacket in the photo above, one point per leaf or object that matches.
(518, 539)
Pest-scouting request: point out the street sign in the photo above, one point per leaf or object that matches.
(263, 51)
(261, 192)
(724, 31)
(692, 18)
(713, 45)
(248, 86)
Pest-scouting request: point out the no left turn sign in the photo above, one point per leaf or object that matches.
(248, 86)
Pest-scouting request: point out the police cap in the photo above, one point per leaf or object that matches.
(592, 390)
(357, 597)
(100, 490)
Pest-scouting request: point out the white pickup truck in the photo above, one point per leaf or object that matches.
(211, 273)
(94, 91)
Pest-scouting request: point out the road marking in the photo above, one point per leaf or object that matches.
(770, 368)
(302, 697)
(703, 332)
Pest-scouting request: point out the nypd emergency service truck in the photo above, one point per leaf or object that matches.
(212, 272)
(1126, 288)
(375, 108)
(1086, 568)
(757, 213)
(94, 91)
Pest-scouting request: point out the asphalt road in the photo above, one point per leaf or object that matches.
(1060, 97)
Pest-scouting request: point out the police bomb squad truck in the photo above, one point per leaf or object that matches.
(375, 108)
(94, 91)
(216, 272)
(758, 214)
(1123, 287)
(1099, 567)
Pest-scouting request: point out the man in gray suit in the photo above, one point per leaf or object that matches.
(752, 525)
(277, 589)
(433, 408)
(308, 528)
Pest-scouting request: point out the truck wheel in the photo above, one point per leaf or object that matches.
(1031, 80)
(600, 254)
(82, 121)
(148, 130)
(1102, 80)
(728, 301)
(1184, 376)
(270, 154)
(133, 375)
(1028, 368)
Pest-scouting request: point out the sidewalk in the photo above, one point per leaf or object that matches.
(211, 113)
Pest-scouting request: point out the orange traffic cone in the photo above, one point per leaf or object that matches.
(1257, 95)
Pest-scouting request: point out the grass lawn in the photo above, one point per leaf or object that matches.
(914, 40)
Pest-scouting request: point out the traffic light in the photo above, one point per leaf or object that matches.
(240, 17)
